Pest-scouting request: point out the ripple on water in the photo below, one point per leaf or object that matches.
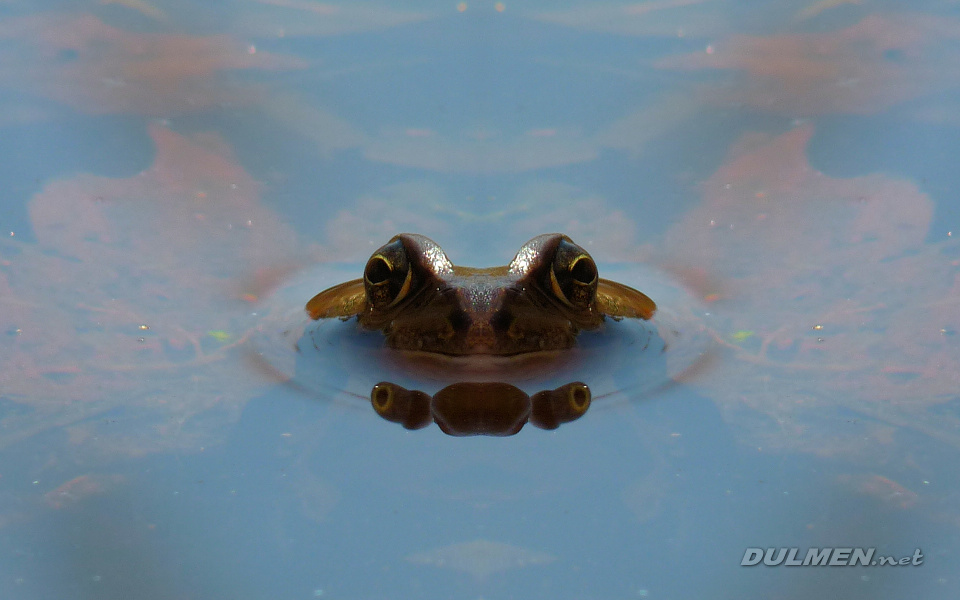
(335, 359)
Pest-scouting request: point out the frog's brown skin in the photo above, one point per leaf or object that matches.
(422, 302)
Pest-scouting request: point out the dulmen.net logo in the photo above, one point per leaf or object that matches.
(825, 557)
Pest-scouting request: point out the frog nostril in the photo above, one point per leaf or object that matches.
(501, 321)
(459, 320)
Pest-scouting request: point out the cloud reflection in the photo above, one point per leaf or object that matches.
(878, 63)
(95, 68)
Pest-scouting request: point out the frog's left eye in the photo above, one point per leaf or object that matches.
(573, 275)
(387, 275)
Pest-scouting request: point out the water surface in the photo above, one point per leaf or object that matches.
(779, 176)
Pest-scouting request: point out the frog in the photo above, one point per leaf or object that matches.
(539, 302)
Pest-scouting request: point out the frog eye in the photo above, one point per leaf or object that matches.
(574, 275)
(387, 276)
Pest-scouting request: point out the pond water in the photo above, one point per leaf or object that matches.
(181, 178)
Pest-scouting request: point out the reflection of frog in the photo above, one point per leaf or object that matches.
(485, 408)
(548, 293)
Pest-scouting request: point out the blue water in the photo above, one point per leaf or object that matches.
(169, 165)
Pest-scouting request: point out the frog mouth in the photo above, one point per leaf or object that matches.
(481, 367)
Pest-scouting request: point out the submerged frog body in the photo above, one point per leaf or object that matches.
(548, 293)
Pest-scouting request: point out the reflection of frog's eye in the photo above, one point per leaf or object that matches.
(387, 275)
(578, 398)
(410, 408)
(551, 408)
(382, 398)
(574, 275)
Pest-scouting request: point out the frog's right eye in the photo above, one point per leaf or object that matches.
(573, 276)
(387, 276)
